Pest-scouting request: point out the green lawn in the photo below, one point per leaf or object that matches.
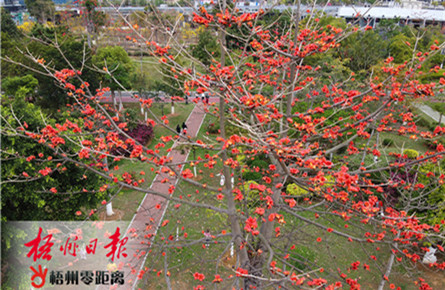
(147, 71)
(402, 143)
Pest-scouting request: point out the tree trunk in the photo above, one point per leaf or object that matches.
(109, 205)
(293, 69)
(389, 265)
(110, 211)
(234, 222)
(89, 40)
(113, 97)
(194, 158)
(121, 106)
(257, 261)
(142, 71)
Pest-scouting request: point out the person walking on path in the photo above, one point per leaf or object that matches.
(208, 237)
(178, 129)
(184, 128)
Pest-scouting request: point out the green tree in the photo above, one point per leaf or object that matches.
(432, 36)
(7, 24)
(42, 10)
(401, 48)
(93, 19)
(10, 40)
(50, 42)
(207, 47)
(117, 65)
(9, 49)
(171, 82)
(139, 18)
(52, 96)
(388, 28)
(362, 49)
(413, 40)
(33, 192)
(24, 86)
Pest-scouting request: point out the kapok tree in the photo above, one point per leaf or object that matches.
(324, 174)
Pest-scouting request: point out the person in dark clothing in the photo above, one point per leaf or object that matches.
(184, 128)
(208, 237)
(178, 129)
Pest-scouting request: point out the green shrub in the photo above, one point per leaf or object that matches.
(131, 116)
(234, 130)
(410, 153)
(432, 127)
(251, 194)
(213, 128)
(293, 189)
(435, 212)
(252, 175)
(430, 144)
(387, 142)
(258, 157)
(259, 163)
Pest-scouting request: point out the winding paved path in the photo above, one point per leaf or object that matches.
(433, 114)
(148, 218)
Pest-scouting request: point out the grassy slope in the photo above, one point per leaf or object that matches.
(186, 261)
(183, 262)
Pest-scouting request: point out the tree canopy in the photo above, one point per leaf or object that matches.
(7, 23)
(115, 60)
(42, 10)
(300, 155)
(37, 186)
(206, 48)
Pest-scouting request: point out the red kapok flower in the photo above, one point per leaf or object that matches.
(217, 279)
(198, 276)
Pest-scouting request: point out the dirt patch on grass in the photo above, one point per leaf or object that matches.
(197, 178)
(118, 214)
(434, 277)
(228, 261)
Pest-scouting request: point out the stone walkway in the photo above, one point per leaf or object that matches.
(150, 213)
(433, 114)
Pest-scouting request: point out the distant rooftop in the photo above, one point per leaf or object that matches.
(391, 13)
(404, 10)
